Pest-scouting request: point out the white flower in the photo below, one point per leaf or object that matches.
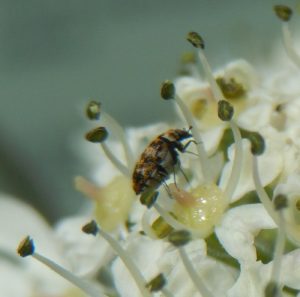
(27, 278)
(214, 210)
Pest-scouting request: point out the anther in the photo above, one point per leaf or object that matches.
(257, 143)
(283, 12)
(90, 228)
(280, 202)
(93, 110)
(195, 39)
(180, 238)
(167, 90)
(230, 89)
(26, 247)
(161, 228)
(97, 135)
(157, 283)
(225, 110)
(271, 290)
(148, 198)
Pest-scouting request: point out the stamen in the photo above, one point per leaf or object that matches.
(225, 112)
(284, 13)
(26, 248)
(130, 265)
(99, 135)
(198, 42)
(93, 111)
(181, 240)
(168, 91)
(280, 202)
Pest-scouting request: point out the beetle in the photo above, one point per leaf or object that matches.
(159, 159)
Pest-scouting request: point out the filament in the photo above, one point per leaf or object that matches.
(264, 198)
(122, 168)
(201, 287)
(130, 265)
(237, 162)
(209, 75)
(119, 133)
(287, 40)
(166, 292)
(200, 147)
(279, 250)
(86, 287)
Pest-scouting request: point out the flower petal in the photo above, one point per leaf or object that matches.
(238, 229)
(84, 253)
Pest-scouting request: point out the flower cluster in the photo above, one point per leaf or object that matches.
(218, 204)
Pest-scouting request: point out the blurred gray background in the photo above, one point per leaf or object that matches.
(56, 54)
